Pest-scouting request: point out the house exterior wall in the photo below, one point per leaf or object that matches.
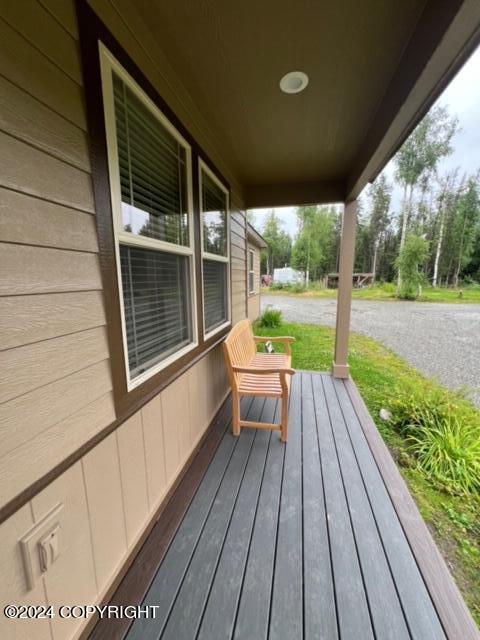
(56, 384)
(253, 299)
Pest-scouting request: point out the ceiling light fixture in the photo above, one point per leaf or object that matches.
(294, 82)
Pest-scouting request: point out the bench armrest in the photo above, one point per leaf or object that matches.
(274, 339)
(286, 340)
(261, 371)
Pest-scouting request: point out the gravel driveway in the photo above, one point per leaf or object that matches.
(440, 340)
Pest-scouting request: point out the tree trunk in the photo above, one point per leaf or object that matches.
(307, 268)
(406, 213)
(460, 253)
(375, 253)
(439, 247)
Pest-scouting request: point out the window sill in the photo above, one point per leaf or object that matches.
(214, 332)
(136, 382)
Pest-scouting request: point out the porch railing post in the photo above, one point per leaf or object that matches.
(345, 278)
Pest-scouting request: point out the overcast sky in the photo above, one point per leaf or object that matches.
(462, 96)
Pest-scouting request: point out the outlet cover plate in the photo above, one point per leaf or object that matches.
(30, 541)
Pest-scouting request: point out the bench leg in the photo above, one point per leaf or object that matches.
(235, 414)
(284, 422)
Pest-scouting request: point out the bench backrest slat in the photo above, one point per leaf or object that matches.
(239, 348)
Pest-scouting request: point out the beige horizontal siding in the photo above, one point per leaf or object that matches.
(26, 169)
(27, 119)
(29, 319)
(34, 365)
(26, 416)
(30, 70)
(40, 29)
(56, 387)
(28, 220)
(27, 270)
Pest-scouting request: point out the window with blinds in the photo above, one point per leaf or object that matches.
(251, 272)
(149, 165)
(152, 171)
(214, 293)
(215, 251)
(155, 299)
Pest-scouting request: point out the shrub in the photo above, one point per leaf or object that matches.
(443, 434)
(271, 318)
(388, 287)
(297, 288)
(450, 453)
(412, 256)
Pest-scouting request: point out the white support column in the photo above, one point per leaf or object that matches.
(345, 278)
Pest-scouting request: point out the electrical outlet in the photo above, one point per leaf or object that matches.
(41, 545)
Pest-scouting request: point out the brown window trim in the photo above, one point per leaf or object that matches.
(91, 30)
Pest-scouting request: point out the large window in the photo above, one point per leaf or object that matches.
(150, 180)
(215, 251)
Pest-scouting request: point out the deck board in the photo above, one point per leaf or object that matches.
(319, 593)
(221, 608)
(291, 542)
(385, 609)
(286, 620)
(254, 606)
(419, 612)
(352, 605)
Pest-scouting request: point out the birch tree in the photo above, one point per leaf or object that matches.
(380, 197)
(420, 155)
(445, 199)
(467, 223)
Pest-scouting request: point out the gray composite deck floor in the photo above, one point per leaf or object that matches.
(291, 542)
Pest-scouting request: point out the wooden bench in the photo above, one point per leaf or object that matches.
(257, 374)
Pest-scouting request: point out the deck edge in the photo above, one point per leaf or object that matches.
(449, 604)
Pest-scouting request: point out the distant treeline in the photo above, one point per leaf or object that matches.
(442, 209)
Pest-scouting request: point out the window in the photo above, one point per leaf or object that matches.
(150, 180)
(251, 272)
(215, 251)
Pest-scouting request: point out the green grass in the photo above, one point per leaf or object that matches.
(382, 377)
(469, 294)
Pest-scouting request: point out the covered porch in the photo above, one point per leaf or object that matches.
(316, 539)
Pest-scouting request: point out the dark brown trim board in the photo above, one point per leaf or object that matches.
(300, 193)
(91, 31)
(451, 609)
(138, 572)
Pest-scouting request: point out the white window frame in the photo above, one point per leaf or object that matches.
(203, 167)
(251, 252)
(108, 64)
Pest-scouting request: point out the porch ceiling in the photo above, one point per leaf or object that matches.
(363, 58)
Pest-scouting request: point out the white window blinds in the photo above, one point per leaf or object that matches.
(215, 251)
(156, 292)
(149, 166)
(152, 172)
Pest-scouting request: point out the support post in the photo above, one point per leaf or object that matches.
(344, 299)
